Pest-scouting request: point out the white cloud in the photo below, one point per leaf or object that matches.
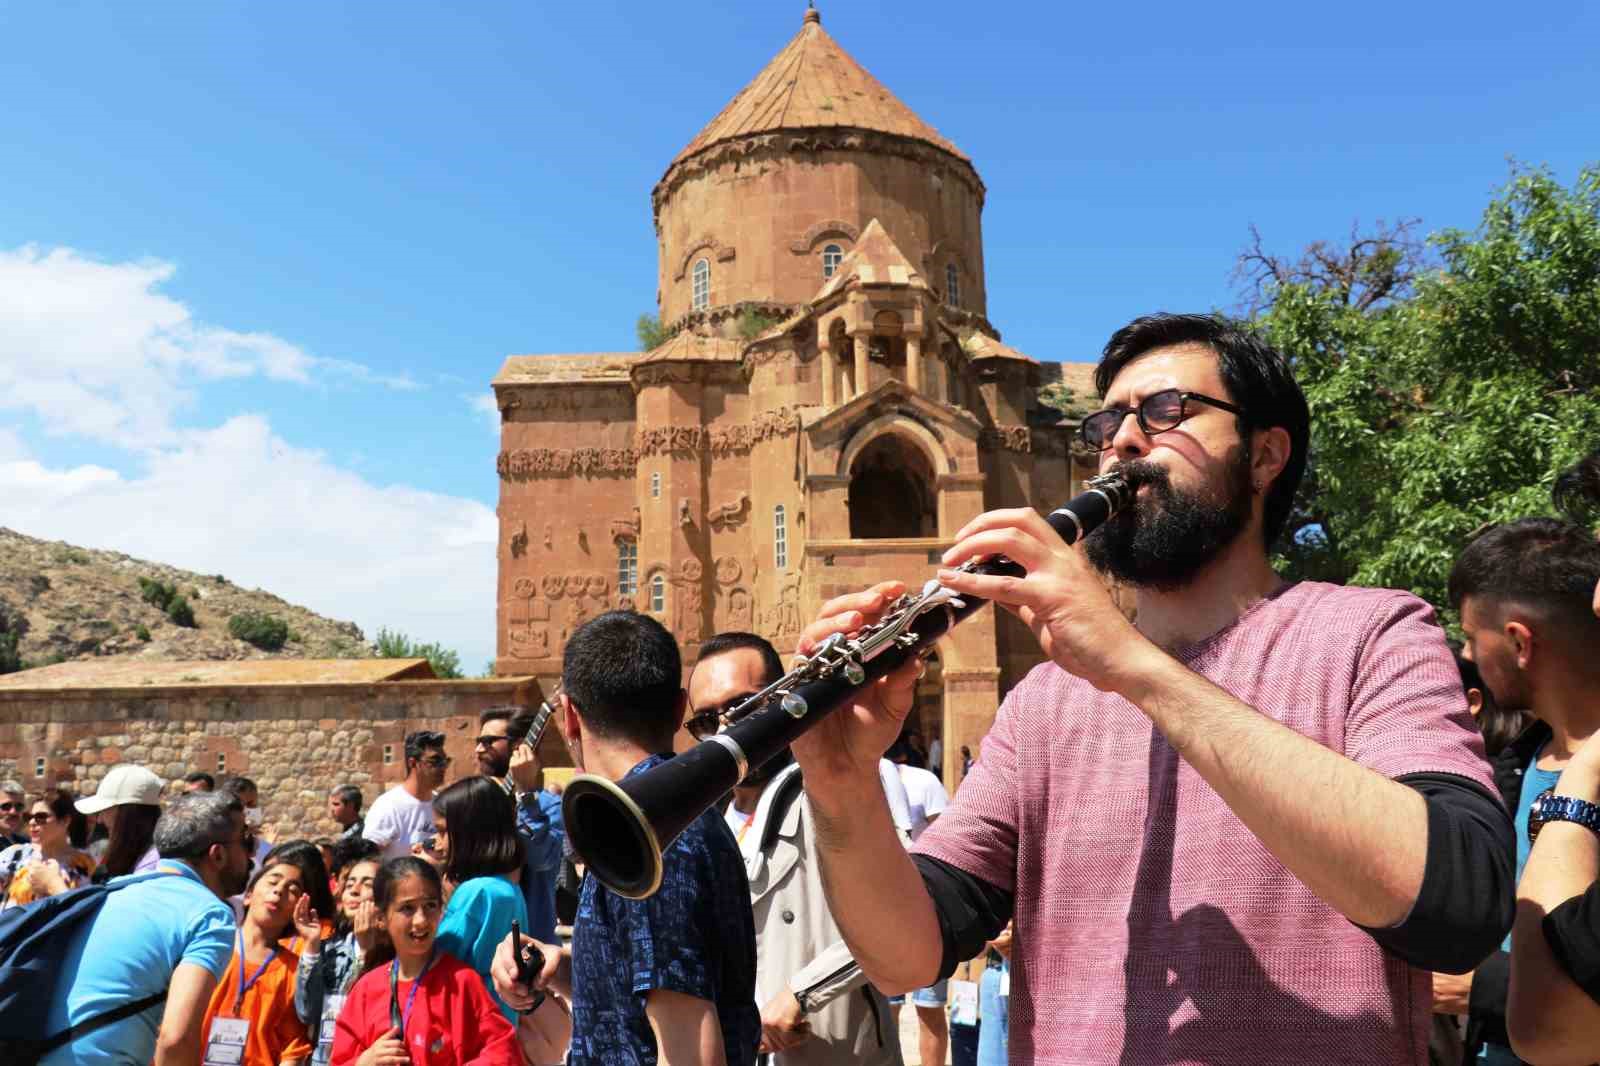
(240, 501)
(94, 349)
(484, 406)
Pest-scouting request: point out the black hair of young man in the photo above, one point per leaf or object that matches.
(1543, 565)
(734, 640)
(623, 671)
(423, 740)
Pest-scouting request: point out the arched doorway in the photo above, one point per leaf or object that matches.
(892, 491)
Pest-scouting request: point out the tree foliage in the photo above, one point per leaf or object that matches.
(651, 333)
(267, 632)
(13, 627)
(1453, 398)
(395, 645)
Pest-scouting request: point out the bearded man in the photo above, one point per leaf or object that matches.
(1232, 831)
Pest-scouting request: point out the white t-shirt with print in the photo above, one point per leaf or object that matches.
(398, 820)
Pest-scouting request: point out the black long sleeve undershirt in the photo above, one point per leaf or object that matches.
(1463, 910)
(1572, 929)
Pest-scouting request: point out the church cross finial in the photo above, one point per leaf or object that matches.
(812, 14)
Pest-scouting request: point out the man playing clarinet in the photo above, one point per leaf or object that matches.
(1231, 831)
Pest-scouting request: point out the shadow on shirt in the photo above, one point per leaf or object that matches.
(1242, 1018)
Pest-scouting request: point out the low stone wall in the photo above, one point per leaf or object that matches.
(295, 741)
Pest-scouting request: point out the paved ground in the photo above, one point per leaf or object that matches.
(908, 1038)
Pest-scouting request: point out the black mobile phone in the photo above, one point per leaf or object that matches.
(525, 974)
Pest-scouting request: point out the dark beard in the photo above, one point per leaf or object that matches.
(1168, 536)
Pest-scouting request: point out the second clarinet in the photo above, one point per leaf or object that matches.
(621, 828)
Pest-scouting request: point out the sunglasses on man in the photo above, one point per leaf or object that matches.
(1157, 413)
(713, 720)
(10, 808)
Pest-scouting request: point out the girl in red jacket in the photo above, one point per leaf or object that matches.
(418, 1005)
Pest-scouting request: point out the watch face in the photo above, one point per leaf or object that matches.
(1536, 816)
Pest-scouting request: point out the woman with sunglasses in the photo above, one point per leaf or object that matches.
(48, 864)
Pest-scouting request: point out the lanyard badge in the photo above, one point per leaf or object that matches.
(400, 1019)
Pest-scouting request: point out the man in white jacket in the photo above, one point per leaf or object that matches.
(816, 1005)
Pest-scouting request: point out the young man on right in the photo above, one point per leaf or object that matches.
(403, 816)
(344, 807)
(669, 979)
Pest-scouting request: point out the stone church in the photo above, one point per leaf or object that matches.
(831, 405)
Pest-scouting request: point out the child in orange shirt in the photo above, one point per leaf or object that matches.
(422, 1007)
(251, 1019)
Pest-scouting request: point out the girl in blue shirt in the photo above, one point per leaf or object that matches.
(476, 827)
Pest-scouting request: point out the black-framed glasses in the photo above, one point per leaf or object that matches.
(39, 816)
(487, 740)
(713, 720)
(7, 808)
(1157, 413)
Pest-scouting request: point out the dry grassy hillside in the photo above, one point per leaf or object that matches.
(77, 603)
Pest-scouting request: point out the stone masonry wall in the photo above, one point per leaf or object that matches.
(295, 741)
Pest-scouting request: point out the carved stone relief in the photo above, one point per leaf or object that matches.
(519, 541)
(1006, 438)
(728, 570)
(730, 515)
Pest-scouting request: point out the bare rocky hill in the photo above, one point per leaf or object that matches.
(78, 603)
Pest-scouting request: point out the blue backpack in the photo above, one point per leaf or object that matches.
(30, 970)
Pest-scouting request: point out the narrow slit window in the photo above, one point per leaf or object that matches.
(831, 257)
(627, 567)
(658, 594)
(952, 285)
(780, 538)
(702, 284)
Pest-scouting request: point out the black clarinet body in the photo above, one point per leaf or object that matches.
(620, 829)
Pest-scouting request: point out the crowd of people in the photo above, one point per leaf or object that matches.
(1258, 822)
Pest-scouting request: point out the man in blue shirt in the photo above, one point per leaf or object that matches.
(1524, 590)
(514, 765)
(669, 979)
(170, 932)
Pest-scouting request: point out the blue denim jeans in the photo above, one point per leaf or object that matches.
(993, 1013)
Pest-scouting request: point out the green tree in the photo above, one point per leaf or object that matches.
(265, 631)
(392, 644)
(13, 627)
(180, 613)
(651, 333)
(1453, 397)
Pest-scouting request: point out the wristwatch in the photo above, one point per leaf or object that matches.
(1548, 807)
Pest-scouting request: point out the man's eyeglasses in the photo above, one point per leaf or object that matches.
(39, 816)
(488, 741)
(1157, 413)
(713, 720)
(8, 808)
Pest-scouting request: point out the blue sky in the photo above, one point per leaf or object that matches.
(259, 262)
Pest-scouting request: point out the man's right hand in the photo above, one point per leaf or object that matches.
(844, 748)
(507, 978)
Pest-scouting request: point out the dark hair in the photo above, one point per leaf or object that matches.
(1544, 565)
(200, 777)
(496, 714)
(390, 875)
(722, 643)
(63, 806)
(304, 856)
(347, 851)
(482, 822)
(1498, 725)
(238, 785)
(1255, 375)
(348, 794)
(1577, 490)
(420, 741)
(136, 829)
(623, 672)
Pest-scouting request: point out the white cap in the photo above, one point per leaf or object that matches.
(126, 783)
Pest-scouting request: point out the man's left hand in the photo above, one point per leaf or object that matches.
(1452, 993)
(1062, 599)
(783, 1023)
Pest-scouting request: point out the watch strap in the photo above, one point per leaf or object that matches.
(1553, 808)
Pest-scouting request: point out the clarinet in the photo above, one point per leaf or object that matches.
(620, 829)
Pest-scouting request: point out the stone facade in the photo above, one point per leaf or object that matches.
(295, 740)
(832, 406)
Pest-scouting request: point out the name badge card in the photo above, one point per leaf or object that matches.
(225, 1047)
(964, 1002)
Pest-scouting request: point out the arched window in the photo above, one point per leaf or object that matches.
(658, 594)
(831, 255)
(702, 284)
(627, 567)
(952, 285)
(780, 538)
